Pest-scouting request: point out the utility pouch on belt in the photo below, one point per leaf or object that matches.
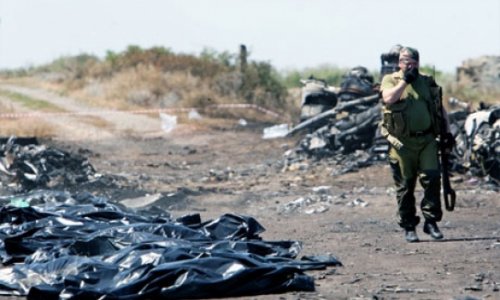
(394, 119)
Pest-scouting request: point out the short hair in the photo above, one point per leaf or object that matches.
(411, 51)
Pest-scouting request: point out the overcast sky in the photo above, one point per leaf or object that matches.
(286, 33)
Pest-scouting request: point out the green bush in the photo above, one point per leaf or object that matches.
(78, 65)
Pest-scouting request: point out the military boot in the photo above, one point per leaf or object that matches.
(411, 235)
(432, 229)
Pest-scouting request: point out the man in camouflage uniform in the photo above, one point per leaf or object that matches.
(411, 124)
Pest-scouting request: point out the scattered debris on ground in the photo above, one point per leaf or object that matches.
(107, 233)
(26, 165)
(32, 166)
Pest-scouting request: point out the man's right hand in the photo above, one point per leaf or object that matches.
(410, 75)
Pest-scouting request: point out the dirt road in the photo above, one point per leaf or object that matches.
(230, 168)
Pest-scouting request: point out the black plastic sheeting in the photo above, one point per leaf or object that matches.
(83, 247)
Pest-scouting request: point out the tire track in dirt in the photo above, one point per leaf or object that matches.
(97, 125)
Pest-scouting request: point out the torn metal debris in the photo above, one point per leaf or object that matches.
(351, 140)
(317, 97)
(477, 136)
(29, 166)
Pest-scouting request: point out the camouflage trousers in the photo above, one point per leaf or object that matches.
(417, 159)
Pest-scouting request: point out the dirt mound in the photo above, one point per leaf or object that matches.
(482, 73)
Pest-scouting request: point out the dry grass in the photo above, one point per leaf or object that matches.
(26, 128)
(474, 96)
(146, 87)
(23, 127)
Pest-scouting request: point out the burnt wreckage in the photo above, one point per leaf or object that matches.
(28, 165)
(477, 136)
(342, 125)
(343, 128)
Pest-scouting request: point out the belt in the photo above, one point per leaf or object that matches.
(421, 133)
